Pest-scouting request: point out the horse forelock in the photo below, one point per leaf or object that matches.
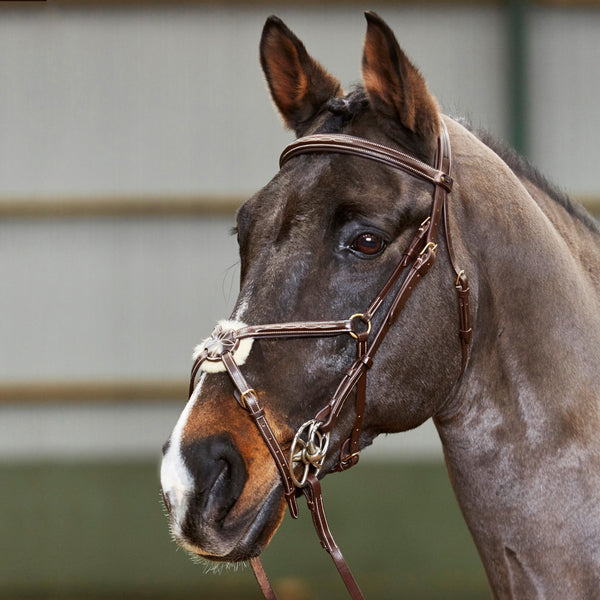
(355, 114)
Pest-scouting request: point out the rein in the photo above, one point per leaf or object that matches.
(309, 447)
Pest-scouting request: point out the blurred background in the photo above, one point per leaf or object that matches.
(129, 134)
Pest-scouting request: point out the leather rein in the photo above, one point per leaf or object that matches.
(309, 448)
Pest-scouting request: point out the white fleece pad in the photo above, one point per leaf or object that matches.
(240, 354)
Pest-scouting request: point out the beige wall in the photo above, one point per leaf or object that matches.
(106, 103)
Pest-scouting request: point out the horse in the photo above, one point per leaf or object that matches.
(508, 371)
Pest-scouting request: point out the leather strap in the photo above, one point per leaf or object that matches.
(249, 401)
(347, 144)
(409, 256)
(350, 450)
(330, 413)
(314, 499)
(297, 329)
(262, 579)
(461, 283)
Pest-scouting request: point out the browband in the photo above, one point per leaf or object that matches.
(348, 144)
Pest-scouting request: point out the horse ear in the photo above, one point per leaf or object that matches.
(397, 91)
(299, 85)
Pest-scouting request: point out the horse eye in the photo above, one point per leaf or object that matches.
(368, 244)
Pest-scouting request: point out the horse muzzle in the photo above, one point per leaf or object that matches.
(214, 511)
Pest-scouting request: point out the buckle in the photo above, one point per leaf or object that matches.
(429, 245)
(243, 397)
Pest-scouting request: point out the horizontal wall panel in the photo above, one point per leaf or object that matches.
(52, 208)
(564, 87)
(111, 298)
(171, 100)
(108, 428)
(91, 392)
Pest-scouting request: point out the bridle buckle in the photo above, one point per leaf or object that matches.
(243, 397)
(429, 246)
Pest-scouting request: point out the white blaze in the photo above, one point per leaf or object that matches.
(176, 480)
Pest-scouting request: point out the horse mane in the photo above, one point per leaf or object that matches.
(524, 169)
(343, 111)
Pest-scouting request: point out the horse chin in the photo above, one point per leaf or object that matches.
(236, 538)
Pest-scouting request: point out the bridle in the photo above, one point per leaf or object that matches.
(310, 444)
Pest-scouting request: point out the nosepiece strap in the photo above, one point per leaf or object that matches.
(249, 401)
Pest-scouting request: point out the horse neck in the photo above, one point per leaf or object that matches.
(521, 434)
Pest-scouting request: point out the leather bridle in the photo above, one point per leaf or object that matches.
(309, 447)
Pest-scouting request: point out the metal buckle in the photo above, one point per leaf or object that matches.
(309, 452)
(429, 245)
(243, 397)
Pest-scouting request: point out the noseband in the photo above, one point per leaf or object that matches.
(309, 447)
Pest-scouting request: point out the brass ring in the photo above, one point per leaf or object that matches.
(355, 316)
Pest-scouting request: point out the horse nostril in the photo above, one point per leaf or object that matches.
(219, 476)
(222, 488)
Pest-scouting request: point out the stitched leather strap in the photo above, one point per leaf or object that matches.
(461, 284)
(350, 450)
(296, 329)
(249, 401)
(314, 499)
(347, 144)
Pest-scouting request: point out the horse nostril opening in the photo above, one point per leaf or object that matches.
(222, 494)
(219, 476)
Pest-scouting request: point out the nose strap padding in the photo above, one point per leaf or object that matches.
(224, 339)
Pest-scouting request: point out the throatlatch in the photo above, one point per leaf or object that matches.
(231, 342)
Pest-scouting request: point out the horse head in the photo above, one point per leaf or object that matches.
(317, 244)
